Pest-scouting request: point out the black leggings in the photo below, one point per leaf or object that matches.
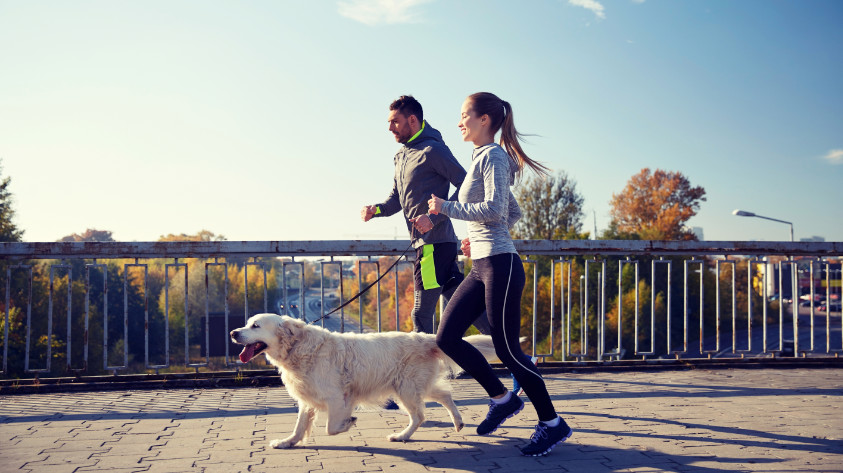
(495, 285)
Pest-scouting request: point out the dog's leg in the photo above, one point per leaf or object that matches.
(415, 407)
(339, 417)
(443, 396)
(303, 425)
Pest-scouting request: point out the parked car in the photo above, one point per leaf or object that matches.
(834, 307)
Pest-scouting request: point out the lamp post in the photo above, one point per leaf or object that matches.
(743, 213)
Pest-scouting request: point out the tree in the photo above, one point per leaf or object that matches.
(202, 235)
(551, 208)
(655, 206)
(8, 230)
(90, 234)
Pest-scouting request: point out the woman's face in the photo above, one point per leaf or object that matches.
(473, 128)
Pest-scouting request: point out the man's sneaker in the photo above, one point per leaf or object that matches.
(391, 405)
(516, 387)
(499, 413)
(545, 438)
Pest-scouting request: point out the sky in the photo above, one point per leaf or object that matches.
(267, 120)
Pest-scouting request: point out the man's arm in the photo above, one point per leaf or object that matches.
(389, 207)
(447, 165)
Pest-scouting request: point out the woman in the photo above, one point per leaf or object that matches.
(497, 275)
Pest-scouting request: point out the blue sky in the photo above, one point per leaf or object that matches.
(266, 120)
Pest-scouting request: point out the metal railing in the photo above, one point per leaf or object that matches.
(574, 312)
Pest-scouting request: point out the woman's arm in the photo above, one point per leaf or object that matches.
(514, 211)
(488, 200)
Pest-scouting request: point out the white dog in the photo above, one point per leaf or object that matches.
(334, 372)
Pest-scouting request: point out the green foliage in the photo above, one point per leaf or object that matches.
(90, 234)
(8, 230)
(551, 208)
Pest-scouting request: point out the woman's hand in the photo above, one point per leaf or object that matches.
(466, 247)
(434, 205)
(422, 223)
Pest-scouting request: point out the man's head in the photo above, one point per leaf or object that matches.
(405, 118)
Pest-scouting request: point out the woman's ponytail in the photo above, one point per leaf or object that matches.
(500, 114)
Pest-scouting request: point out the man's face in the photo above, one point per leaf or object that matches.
(399, 125)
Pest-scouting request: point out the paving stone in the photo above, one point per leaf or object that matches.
(126, 438)
(115, 470)
(56, 468)
(12, 460)
(687, 421)
(173, 466)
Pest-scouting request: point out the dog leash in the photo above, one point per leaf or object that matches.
(397, 260)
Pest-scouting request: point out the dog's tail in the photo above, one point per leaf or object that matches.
(483, 343)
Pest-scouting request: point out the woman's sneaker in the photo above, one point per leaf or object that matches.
(499, 413)
(545, 438)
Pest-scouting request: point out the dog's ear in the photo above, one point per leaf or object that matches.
(284, 329)
(287, 332)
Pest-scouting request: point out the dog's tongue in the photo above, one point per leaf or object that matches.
(248, 353)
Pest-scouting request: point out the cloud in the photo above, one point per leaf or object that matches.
(834, 156)
(375, 12)
(592, 5)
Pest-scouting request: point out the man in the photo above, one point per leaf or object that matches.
(423, 166)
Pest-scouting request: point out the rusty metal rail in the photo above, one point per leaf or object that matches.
(580, 325)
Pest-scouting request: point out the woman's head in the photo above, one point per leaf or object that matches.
(483, 115)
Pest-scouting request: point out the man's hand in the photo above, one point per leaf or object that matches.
(466, 248)
(422, 223)
(434, 205)
(368, 212)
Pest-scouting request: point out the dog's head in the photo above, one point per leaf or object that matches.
(265, 332)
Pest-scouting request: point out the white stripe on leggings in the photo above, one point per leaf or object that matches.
(503, 319)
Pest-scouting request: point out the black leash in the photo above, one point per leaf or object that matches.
(397, 260)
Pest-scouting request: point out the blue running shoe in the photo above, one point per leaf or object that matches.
(545, 438)
(516, 386)
(499, 413)
(391, 405)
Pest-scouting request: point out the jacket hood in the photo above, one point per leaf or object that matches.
(428, 136)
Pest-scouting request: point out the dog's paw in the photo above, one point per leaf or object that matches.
(458, 427)
(399, 437)
(283, 443)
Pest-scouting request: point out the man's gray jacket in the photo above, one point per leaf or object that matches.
(424, 166)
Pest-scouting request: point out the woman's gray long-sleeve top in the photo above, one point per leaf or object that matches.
(487, 203)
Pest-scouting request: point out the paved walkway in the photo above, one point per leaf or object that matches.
(769, 420)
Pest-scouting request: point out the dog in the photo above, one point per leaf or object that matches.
(335, 372)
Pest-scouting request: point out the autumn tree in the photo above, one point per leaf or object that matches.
(202, 235)
(551, 208)
(89, 235)
(656, 205)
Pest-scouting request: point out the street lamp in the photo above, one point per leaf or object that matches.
(743, 213)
